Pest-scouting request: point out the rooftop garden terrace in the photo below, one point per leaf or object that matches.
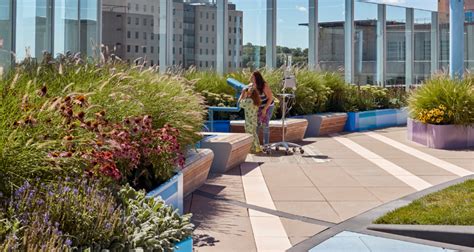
(82, 143)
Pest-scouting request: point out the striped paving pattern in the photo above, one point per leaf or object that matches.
(339, 177)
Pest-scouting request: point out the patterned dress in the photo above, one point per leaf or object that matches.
(251, 121)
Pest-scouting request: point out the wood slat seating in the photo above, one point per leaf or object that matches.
(295, 129)
(230, 149)
(332, 123)
(196, 170)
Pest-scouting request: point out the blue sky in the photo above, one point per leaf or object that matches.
(293, 12)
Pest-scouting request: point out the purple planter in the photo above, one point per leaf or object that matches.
(440, 136)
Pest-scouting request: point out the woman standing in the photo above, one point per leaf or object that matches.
(265, 110)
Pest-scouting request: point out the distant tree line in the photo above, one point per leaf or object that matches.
(254, 56)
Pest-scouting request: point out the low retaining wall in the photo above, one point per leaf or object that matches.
(440, 136)
(295, 129)
(375, 119)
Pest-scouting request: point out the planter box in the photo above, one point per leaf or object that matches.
(184, 246)
(324, 124)
(375, 119)
(230, 149)
(294, 129)
(441, 136)
(219, 125)
(196, 169)
(171, 192)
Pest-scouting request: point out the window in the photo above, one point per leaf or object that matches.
(180, 37)
(144, 35)
(129, 20)
(174, 51)
(212, 51)
(174, 24)
(235, 30)
(207, 15)
(174, 37)
(152, 22)
(230, 41)
(144, 21)
(200, 14)
(152, 50)
(207, 39)
(136, 7)
(200, 63)
(200, 39)
(152, 11)
(144, 8)
(212, 16)
(152, 36)
(200, 27)
(207, 64)
(137, 21)
(128, 34)
(212, 27)
(200, 51)
(128, 48)
(207, 27)
(144, 49)
(136, 35)
(152, 60)
(174, 11)
(129, 6)
(230, 53)
(180, 51)
(212, 38)
(136, 49)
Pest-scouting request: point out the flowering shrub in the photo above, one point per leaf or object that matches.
(438, 115)
(80, 215)
(442, 100)
(66, 214)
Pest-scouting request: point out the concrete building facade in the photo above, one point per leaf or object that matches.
(131, 29)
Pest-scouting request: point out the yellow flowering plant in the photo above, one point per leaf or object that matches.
(442, 100)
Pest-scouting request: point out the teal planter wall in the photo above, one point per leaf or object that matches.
(375, 119)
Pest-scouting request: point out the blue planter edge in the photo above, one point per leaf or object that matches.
(353, 123)
(171, 192)
(185, 245)
(219, 125)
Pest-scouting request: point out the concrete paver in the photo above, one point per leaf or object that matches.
(334, 188)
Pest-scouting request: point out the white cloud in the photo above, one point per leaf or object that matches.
(301, 8)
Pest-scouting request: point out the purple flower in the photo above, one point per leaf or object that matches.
(66, 189)
(68, 242)
(46, 217)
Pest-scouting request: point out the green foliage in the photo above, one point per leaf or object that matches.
(456, 96)
(77, 213)
(151, 224)
(209, 81)
(31, 123)
(311, 93)
(451, 206)
(339, 91)
(362, 98)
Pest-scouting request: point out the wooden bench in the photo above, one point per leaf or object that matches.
(230, 149)
(196, 169)
(295, 129)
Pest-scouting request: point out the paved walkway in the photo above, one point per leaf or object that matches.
(273, 203)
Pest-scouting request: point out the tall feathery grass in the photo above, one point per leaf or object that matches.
(454, 97)
(31, 127)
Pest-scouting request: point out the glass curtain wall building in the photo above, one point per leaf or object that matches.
(31, 27)
(367, 41)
